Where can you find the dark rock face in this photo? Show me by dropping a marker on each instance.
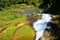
(52, 33)
(53, 28)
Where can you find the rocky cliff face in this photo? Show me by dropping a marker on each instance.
(47, 36)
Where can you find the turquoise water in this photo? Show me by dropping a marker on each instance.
(30, 11)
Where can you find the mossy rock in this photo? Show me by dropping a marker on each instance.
(24, 33)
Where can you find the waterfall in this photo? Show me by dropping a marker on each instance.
(41, 24)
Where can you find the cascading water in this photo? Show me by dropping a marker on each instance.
(41, 24)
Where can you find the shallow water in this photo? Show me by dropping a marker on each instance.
(30, 11)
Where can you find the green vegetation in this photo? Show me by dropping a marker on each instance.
(13, 15)
(8, 3)
(8, 17)
(51, 6)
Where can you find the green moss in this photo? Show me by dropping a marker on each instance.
(10, 30)
(24, 30)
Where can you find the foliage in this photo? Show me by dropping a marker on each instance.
(51, 6)
(7, 3)
(8, 17)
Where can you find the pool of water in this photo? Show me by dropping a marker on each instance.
(30, 11)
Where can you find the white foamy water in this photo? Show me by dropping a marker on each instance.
(41, 24)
